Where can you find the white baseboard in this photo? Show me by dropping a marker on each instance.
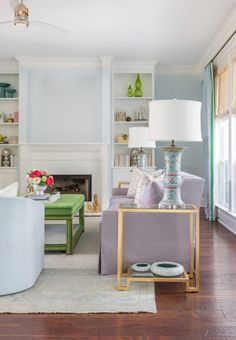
(227, 220)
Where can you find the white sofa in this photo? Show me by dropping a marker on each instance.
(21, 243)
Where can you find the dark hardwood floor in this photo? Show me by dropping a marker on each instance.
(210, 314)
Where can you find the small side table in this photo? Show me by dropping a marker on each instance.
(191, 279)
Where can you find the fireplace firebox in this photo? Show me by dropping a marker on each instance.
(74, 184)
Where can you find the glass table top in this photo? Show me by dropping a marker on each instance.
(155, 206)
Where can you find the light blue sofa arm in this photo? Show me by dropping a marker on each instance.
(21, 243)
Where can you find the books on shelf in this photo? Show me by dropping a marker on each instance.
(47, 198)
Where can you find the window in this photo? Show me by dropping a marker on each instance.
(221, 93)
(222, 137)
(233, 171)
(222, 162)
(225, 133)
(234, 86)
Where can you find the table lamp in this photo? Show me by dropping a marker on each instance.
(138, 138)
(174, 120)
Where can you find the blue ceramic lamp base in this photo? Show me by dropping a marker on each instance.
(172, 179)
(142, 159)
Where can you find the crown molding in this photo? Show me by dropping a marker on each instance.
(223, 34)
(178, 69)
(54, 62)
(106, 59)
(134, 66)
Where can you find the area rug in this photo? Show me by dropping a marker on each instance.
(71, 284)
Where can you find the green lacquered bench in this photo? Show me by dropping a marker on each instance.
(65, 209)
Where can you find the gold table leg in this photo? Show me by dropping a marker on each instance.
(119, 248)
(195, 271)
(120, 254)
(191, 250)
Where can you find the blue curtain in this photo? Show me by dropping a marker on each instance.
(208, 140)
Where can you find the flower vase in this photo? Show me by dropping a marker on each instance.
(138, 92)
(39, 189)
(130, 91)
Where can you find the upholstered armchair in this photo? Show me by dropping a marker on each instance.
(21, 243)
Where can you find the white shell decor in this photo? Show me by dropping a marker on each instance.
(141, 267)
(167, 269)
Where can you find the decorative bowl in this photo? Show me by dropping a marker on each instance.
(2, 89)
(10, 90)
(5, 85)
(9, 93)
(141, 267)
(167, 269)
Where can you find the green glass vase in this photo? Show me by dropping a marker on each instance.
(130, 91)
(138, 92)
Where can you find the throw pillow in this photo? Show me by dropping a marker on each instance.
(149, 191)
(145, 180)
(134, 181)
(10, 191)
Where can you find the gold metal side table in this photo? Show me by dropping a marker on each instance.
(191, 278)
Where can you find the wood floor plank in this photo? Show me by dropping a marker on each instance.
(209, 314)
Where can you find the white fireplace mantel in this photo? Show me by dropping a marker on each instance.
(74, 158)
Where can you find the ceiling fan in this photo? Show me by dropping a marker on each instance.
(21, 13)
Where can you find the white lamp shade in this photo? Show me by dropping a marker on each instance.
(138, 138)
(178, 120)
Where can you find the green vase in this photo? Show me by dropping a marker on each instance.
(138, 87)
(130, 91)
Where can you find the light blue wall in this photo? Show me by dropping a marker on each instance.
(189, 87)
(64, 104)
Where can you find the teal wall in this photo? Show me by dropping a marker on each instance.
(189, 87)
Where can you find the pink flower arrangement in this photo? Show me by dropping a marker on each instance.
(39, 177)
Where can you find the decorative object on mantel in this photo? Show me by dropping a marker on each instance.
(130, 91)
(176, 120)
(39, 180)
(167, 269)
(138, 92)
(138, 138)
(93, 207)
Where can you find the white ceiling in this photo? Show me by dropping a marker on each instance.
(170, 31)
